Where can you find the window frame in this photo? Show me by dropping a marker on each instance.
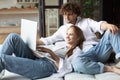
(42, 7)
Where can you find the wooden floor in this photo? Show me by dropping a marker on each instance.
(4, 31)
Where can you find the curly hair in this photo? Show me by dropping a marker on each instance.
(70, 7)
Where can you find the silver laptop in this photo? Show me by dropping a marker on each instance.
(29, 32)
(29, 36)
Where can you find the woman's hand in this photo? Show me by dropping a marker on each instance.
(43, 49)
(53, 55)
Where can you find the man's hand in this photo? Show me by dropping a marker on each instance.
(112, 28)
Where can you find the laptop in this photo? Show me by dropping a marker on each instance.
(29, 36)
(29, 33)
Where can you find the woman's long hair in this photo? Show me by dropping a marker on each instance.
(79, 42)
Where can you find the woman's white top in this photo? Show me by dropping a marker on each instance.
(87, 25)
(65, 64)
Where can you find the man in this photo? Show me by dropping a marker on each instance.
(110, 41)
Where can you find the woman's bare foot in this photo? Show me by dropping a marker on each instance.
(118, 65)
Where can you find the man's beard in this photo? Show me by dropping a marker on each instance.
(69, 21)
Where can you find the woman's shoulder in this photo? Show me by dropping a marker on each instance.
(76, 52)
(77, 49)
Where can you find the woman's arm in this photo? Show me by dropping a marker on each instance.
(53, 55)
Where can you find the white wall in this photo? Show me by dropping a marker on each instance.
(51, 2)
(15, 19)
(8, 3)
(6, 19)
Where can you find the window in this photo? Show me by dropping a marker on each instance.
(49, 17)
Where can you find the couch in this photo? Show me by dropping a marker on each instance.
(71, 76)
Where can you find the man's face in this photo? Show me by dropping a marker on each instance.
(70, 17)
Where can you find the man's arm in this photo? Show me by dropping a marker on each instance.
(39, 42)
(112, 28)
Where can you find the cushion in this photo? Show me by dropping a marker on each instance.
(107, 76)
(51, 78)
(77, 76)
(12, 76)
(103, 76)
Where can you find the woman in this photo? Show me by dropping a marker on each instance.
(29, 65)
(74, 39)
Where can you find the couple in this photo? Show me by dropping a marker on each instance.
(84, 57)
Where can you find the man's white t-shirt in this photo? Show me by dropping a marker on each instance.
(87, 25)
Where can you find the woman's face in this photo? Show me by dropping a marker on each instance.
(70, 17)
(71, 36)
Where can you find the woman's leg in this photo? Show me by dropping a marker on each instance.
(14, 44)
(29, 68)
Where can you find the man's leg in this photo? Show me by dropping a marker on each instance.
(103, 49)
(115, 42)
(108, 43)
(90, 62)
(86, 65)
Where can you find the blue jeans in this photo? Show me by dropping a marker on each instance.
(92, 61)
(24, 62)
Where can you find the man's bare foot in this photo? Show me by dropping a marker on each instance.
(116, 70)
(118, 65)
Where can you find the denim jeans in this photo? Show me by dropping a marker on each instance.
(24, 62)
(92, 61)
